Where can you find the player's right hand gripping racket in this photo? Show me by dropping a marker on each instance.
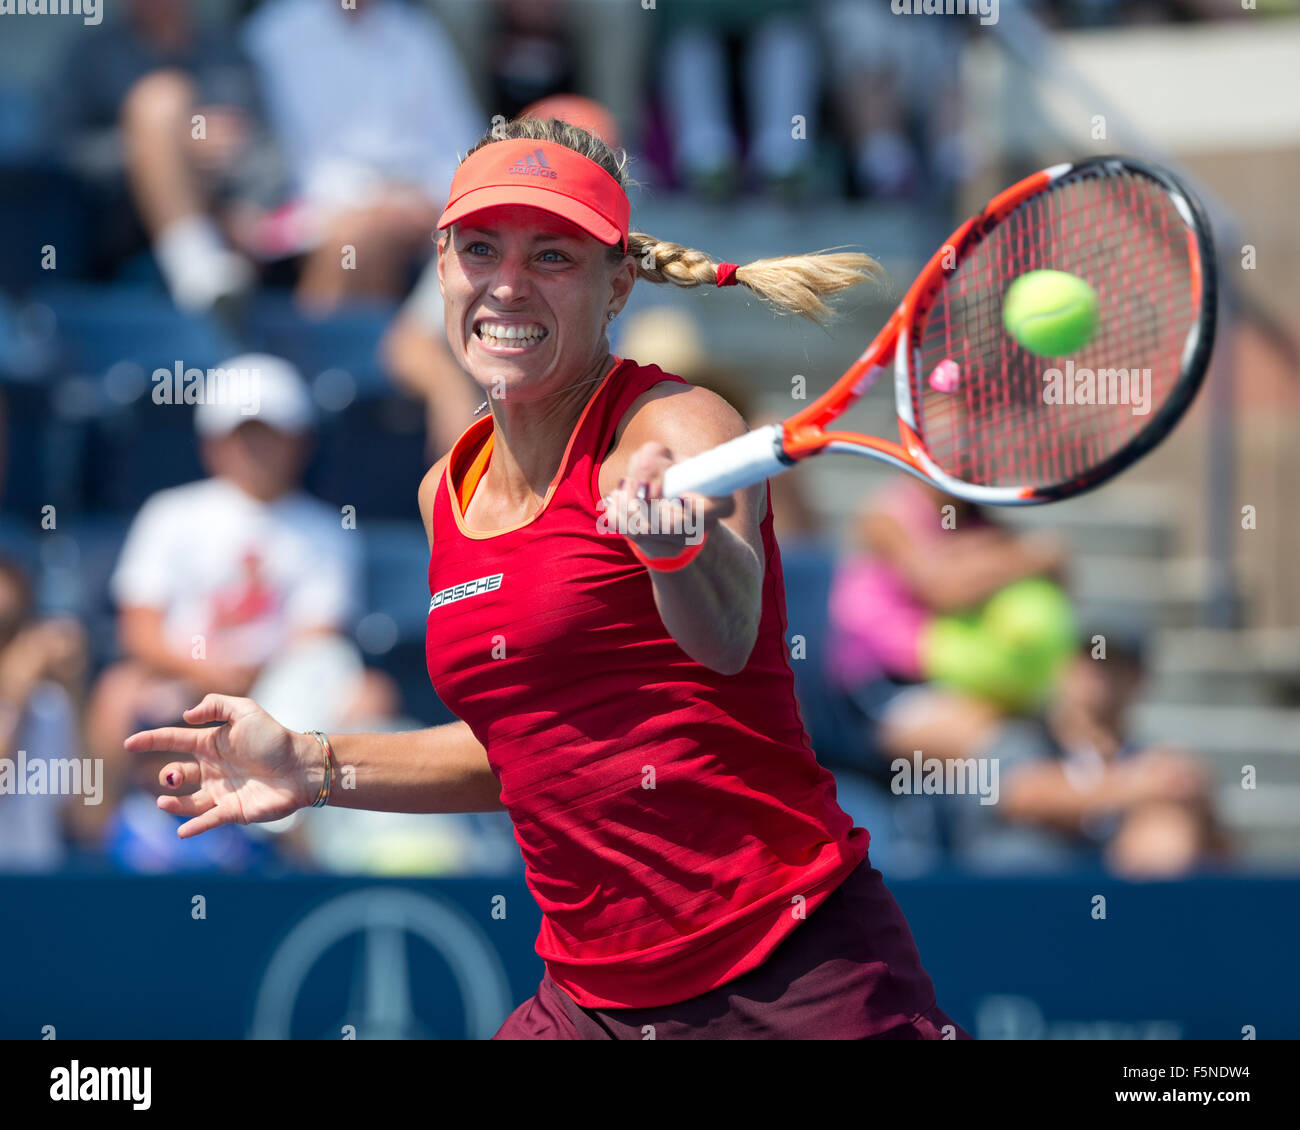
(979, 414)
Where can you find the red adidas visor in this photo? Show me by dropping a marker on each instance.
(543, 175)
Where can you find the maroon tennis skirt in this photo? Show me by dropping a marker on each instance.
(851, 972)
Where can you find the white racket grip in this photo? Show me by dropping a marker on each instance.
(740, 462)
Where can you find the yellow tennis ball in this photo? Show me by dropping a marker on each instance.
(1050, 313)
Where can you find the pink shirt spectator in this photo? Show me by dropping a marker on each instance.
(876, 619)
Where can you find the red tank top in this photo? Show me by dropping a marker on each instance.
(674, 823)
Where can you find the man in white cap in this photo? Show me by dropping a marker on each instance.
(221, 579)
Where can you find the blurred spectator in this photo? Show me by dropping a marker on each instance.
(141, 838)
(773, 45)
(1149, 809)
(125, 110)
(533, 54)
(42, 668)
(1076, 789)
(415, 346)
(585, 113)
(895, 86)
(415, 353)
(952, 638)
(943, 622)
(240, 583)
(605, 48)
(371, 107)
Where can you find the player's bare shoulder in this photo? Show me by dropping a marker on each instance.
(686, 418)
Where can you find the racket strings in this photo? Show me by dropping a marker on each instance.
(1017, 419)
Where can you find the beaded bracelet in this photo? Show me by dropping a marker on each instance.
(323, 796)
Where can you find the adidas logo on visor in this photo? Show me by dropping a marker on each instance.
(534, 165)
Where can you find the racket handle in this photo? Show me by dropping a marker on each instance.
(740, 462)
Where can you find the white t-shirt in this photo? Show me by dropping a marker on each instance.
(358, 98)
(245, 575)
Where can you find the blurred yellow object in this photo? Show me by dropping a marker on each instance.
(424, 852)
(663, 336)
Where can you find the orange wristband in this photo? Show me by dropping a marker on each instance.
(671, 564)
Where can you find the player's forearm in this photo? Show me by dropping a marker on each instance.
(712, 607)
(442, 769)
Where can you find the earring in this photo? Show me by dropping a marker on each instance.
(610, 316)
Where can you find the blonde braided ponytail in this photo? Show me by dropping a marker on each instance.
(789, 284)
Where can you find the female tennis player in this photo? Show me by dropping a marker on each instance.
(623, 690)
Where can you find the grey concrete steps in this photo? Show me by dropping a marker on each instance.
(1272, 806)
(1265, 819)
(1124, 519)
(1144, 593)
(1268, 651)
(1204, 665)
(1226, 732)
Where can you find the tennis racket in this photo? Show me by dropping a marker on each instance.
(980, 415)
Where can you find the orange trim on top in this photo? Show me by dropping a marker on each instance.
(483, 455)
(475, 471)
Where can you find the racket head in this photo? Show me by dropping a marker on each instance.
(973, 405)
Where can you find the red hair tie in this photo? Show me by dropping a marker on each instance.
(727, 273)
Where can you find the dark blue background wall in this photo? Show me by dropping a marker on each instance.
(121, 958)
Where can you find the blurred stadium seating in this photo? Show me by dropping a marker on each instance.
(75, 360)
(77, 352)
